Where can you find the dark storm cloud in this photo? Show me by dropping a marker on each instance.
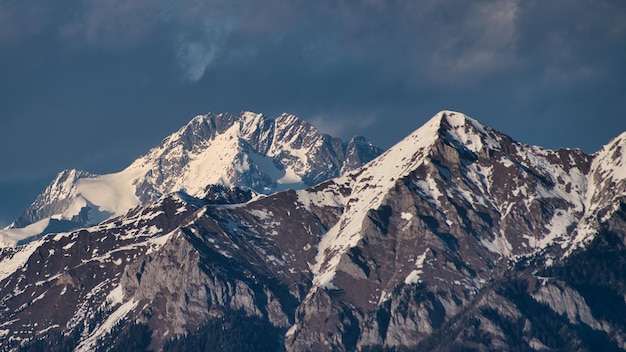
(439, 41)
(92, 84)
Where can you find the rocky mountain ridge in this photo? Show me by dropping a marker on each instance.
(249, 151)
(457, 238)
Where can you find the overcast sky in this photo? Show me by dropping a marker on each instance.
(93, 84)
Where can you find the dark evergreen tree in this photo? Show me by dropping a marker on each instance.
(233, 332)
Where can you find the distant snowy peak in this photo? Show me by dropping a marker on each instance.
(358, 150)
(54, 199)
(249, 151)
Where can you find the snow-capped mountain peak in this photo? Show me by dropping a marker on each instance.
(249, 151)
(466, 131)
(63, 186)
(453, 157)
(369, 186)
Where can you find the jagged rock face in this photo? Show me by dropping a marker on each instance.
(575, 305)
(216, 194)
(358, 150)
(248, 152)
(457, 238)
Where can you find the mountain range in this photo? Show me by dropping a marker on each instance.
(249, 233)
(248, 151)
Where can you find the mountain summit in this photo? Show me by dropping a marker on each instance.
(456, 238)
(249, 151)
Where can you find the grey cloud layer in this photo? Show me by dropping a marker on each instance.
(436, 40)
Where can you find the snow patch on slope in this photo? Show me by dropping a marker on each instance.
(90, 343)
(500, 245)
(606, 182)
(414, 276)
(113, 194)
(19, 257)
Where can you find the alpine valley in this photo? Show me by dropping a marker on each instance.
(247, 233)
